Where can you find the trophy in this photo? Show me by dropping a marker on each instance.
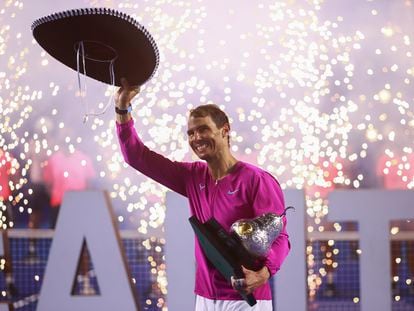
(247, 244)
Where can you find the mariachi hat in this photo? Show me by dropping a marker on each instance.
(101, 43)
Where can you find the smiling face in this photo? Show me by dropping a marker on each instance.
(207, 141)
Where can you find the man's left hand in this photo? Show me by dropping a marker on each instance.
(252, 280)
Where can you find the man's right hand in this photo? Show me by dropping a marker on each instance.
(123, 99)
(125, 94)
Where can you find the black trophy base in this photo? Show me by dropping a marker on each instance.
(224, 251)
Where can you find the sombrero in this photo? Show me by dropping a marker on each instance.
(102, 43)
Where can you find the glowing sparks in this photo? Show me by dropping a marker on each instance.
(314, 101)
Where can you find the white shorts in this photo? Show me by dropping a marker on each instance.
(205, 304)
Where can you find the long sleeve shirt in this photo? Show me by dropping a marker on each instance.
(246, 192)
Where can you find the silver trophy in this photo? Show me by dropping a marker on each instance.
(246, 245)
(258, 234)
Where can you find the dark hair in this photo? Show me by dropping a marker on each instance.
(218, 116)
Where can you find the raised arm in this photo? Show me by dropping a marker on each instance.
(171, 174)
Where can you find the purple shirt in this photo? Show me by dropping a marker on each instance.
(246, 192)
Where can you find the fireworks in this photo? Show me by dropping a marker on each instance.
(316, 91)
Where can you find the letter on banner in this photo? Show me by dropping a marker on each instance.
(373, 210)
(179, 254)
(4, 253)
(290, 292)
(87, 216)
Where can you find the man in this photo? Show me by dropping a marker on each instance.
(221, 186)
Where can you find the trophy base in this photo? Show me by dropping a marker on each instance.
(224, 251)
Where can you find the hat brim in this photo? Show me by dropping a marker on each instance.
(106, 35)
